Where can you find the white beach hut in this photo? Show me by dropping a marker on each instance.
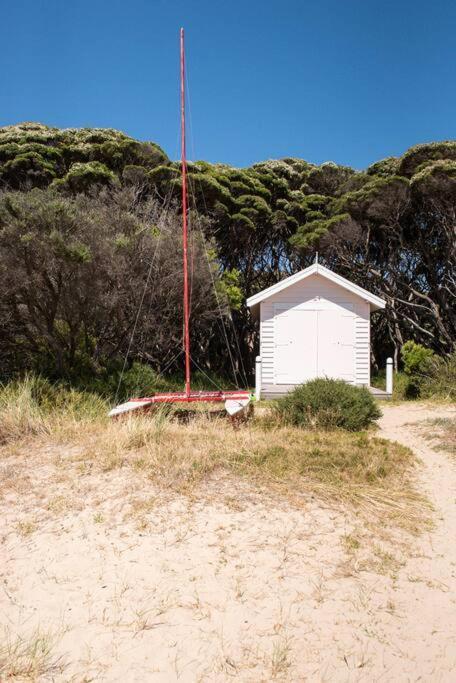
(313, 324)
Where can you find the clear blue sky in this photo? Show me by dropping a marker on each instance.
(346, 80)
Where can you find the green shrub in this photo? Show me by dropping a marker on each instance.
(405, 387)
(439, 378)
(142, 380)
(328, 404)
(415, 357)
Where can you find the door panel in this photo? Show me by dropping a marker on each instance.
(336, 331)
(296, 346)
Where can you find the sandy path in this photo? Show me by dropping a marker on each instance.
(427, 586)
(234, 587)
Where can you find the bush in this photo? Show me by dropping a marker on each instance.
(427, 375)
(141, 380)
(405, 387)
(439, 378)
(328, 404)
(415, 357)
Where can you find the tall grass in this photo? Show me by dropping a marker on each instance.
(33, 406)
(439, 379)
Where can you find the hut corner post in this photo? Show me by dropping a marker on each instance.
(389, 375)
(258, 378)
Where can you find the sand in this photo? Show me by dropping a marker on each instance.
(124, 583)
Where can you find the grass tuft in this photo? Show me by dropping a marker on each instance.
(34, 407)
(444, 433)
(29, 658)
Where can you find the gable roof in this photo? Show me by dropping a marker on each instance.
(316, 269)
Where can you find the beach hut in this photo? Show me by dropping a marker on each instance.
(312, 324)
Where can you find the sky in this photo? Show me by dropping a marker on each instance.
(351, 81)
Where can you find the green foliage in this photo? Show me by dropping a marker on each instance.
(74, 251)
(425, 375)
(328, 178)
(240, 220)
(384, 167)
(73, 271)
(415, 357)
(435, 179)
(139, 380)
(404, 386)
(229, 287)
(439, 378)
(311, 232)
(34, 155)
(430, 151)
(83, 176)
(27, 169)
(375, 199)
(162, 176)
(328, 404)
(258, 204)
(135, 175)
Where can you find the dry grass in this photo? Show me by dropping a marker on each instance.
(33, 408)
(443, 432)
(360, 469)
(29, 658)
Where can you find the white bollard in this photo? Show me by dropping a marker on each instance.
(258, 378)
(389, 375)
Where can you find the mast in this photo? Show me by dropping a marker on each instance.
(185, 220)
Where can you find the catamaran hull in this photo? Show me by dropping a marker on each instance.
(236, 402)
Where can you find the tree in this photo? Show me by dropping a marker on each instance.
(79, 274)
(397, 237)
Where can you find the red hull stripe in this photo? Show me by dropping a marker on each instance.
(195, 397)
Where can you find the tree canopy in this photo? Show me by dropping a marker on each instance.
(390, 228)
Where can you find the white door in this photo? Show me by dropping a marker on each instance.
(295, 346)
(336, 343)
(314, 342)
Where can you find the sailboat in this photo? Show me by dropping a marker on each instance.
(236, 402)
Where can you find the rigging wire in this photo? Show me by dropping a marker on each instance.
(173, 360)
(161, 220)
(219, 306)
(243, 374)
(163, 216)
(207, 376)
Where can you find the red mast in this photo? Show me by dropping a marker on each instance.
(184, 221)
(235, 401)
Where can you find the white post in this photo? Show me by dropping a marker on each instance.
(258, 378)
(389, 375)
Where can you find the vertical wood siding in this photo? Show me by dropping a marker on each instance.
(305, 292)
